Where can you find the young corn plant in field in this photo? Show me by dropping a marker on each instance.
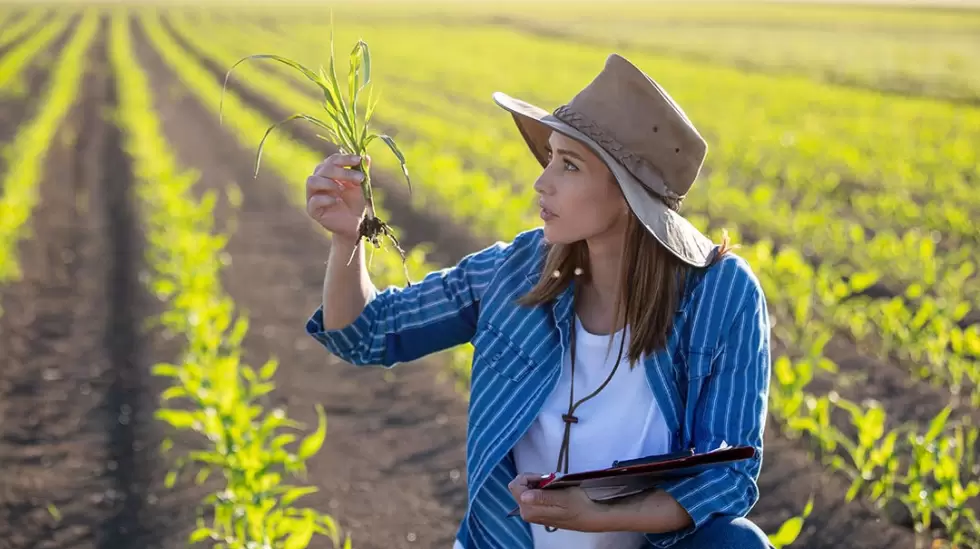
(943, 480)
(249, 449)
(346, 128)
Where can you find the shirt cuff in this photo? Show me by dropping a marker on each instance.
(346, 343)
(704, 496)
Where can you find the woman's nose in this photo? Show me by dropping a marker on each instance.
(542, 186)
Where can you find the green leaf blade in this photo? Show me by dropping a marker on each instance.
(296, 493)
(268, 370)
(270, 129)
(301, 535)
(312, 443)
(165, 370)
(178, 419)
(345, 111)
(372, 102)
(401, 157)
(200, 535)
(312, 76)
(366, 70)
(788, 532)
(937, 425)
(353, 75)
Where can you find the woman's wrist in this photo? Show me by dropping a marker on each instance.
(343, 243)
(649, 512)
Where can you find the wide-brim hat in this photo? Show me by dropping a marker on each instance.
(643, 136)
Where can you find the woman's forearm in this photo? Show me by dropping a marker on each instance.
(652, 512)
(346, 288)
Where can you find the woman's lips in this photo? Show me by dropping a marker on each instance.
(547, 214)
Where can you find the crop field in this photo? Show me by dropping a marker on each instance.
(157, 386)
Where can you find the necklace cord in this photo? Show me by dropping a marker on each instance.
(569, 417)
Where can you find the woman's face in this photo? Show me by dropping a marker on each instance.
(578, 197)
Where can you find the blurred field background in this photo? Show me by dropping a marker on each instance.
(154, 289)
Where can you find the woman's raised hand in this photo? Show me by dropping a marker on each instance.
(333, 195)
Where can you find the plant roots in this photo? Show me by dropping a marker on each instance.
(372, 229)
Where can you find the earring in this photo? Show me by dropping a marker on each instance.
(578, 271)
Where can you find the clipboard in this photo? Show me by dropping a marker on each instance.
(629, 477)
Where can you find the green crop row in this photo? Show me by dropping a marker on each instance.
(916, 328)
(917, 50)
(424, 112)
(931, 469)
(443, 88)
(753, 141)
(935, 61)
(13, 63)
(842, 209)
(779, 121)
(246, 445)
(816, 291)
(21, 26)
(25, 154)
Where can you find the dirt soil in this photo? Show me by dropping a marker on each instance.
(73, 402)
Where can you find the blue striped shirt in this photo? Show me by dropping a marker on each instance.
(711, 380)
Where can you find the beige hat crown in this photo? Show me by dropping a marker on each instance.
(642, 127)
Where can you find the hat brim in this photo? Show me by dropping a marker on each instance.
(671, 229)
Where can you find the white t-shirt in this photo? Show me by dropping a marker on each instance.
(622, 422)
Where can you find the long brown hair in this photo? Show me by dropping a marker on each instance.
(648, 272)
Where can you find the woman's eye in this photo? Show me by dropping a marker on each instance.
(568, 165)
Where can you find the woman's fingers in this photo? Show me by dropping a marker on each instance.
(319, 202)
(348, 160)
(335, 167)
(316, 184)
(320, 184)
(518, 485)
(338, 160)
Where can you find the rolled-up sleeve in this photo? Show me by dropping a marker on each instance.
(403, 324)
(732, 409)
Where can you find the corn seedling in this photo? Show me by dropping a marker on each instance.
(790, 530)
(349, 134)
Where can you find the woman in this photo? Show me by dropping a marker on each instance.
(614, 266)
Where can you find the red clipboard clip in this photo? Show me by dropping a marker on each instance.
(534, 484)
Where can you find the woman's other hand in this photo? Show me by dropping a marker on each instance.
(567, 508)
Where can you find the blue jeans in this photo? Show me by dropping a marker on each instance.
(726, 533)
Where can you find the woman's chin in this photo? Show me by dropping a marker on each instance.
(554, 235)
